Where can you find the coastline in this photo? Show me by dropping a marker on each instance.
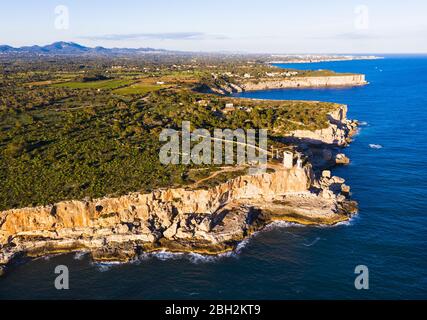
(317, 59)
(307, 82)
(120, 229)
(332, 81)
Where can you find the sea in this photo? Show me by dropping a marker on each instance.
(388, 178)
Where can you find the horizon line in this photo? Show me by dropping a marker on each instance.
(220, 51)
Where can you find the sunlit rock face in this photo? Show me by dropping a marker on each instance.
(208, 221)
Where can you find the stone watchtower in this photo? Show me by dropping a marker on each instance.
(288, 159)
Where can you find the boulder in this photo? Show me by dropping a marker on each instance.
(337, 180)
(171, 231)
(326, 174)
(345, 189)
(341, 158)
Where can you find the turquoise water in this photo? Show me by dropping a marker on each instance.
(292, 262)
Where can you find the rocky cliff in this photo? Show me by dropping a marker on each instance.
(294, 82)
(304, 82)
(338, 132)
(205, 221)
(208, 221)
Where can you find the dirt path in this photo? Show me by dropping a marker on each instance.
(214, 174)
(274, 166)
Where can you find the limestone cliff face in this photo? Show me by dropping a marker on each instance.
(107, 212)
(337, 133)
(206, 221)
(295, 82)
(305, 82)
(209, 217)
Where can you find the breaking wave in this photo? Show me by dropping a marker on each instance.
(79, 255)
(198, 258)
(281, 224)
(106, 266)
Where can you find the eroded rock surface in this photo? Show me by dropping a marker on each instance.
(207, 221)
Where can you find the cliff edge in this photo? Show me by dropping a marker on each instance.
(229, 87)
(206, 221)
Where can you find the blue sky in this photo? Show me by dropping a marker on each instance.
(328, 26)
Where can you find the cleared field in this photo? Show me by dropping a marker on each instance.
(143, 87)
(138, 88)
(101, 84)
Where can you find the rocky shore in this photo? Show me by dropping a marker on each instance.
(307, 82)
(347, 80)
(206, 221)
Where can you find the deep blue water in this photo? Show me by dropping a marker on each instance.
(292, 262)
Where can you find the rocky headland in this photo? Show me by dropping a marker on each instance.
(205, 221)
(343, 80)
(277, 58)
(306, 82)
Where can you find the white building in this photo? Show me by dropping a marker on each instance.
(288, 159)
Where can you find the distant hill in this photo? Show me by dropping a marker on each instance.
(72, 48)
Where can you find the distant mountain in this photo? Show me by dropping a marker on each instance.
(72, 48)
(5, 48)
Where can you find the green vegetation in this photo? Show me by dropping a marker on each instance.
(321, 73)
(138, 88)
(63, 138)
(100, 84)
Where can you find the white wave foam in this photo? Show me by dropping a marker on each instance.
(313, 242)
(106, 266)
(281, 224)
(103, 267)
(165, 255)
(242, 244)
(191, 256)
(375, 146)
(79, 255)
(48, 256)
(363, 123)
(353, 219)
(200, 258)
(347, 223)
